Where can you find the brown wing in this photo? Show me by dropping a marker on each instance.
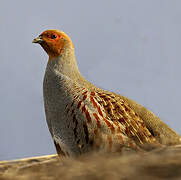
(119, 112)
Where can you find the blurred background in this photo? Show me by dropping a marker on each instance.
(129, 47)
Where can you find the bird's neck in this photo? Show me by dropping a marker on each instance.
(65, 65)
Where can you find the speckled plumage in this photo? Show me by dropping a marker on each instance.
(82, 117)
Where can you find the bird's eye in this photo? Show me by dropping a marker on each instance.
(53, 36)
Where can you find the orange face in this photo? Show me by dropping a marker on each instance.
(53, 42)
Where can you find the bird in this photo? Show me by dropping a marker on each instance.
(82, 117)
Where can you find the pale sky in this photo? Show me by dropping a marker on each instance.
(129, 47)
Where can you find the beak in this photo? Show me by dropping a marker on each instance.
(38, 40)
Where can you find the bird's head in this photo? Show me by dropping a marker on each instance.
(54, 42)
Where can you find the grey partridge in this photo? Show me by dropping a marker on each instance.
(82, 117)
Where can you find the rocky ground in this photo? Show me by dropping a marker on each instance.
(158, 164)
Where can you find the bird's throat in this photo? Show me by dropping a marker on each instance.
(65, 65)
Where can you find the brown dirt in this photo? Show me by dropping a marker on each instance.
(159, 164)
